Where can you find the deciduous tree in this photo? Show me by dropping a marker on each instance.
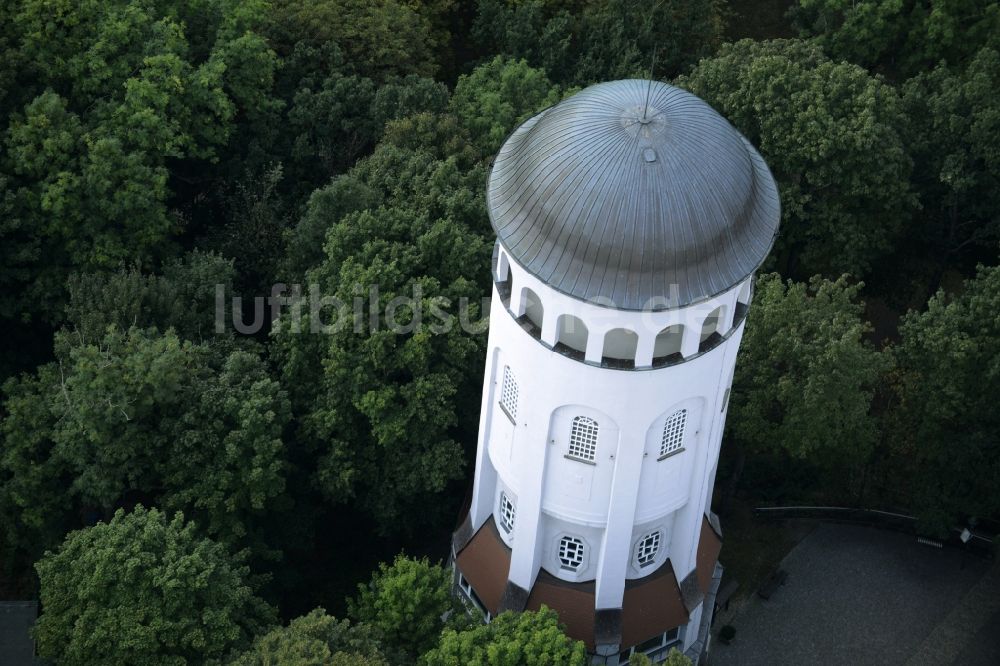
(381, 404)
(327, 205)
(954, 136)
(339, 118)
(830, 133)
(591, 41)
(142, 415)
(116, 96)
(492, 100)
(511, 639)
(145, 589)
(316, 639)
(900, 37)
(378, 39)
(946, 427)
(806, 376)
(408, 602)
(182, 297)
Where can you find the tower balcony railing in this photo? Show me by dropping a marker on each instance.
(567, 328)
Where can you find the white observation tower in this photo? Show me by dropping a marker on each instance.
(630, 219)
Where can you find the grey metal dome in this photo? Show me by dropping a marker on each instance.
(629, 187)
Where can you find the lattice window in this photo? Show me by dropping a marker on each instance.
(647, 549)
(506, 513)
(571, 552)
(673, 432)
(583, 438)
(508, 393)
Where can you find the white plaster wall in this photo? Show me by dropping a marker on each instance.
(612, 502)
(665, 526)
(552, 530)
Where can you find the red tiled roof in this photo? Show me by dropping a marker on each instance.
(709, 545)
(652, 605)
(574, 602)
(485, 563)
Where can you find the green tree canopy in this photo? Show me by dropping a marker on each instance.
(416, 181)
(903, 37)
(946, 426)
(511, 639)
(382, 404)
(145, 589)
(141, 415)
(407, 603)
(830, 133)
(597, 40)
(954, 137)
(181, 297)
(378, 39)
(113, 94)
(492, 100)
(326, 206)
(10, 54)
(334, 120)
(443, 136)
(805, 376)
(316, 639)
(382, 409)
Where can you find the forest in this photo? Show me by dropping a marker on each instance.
(178, 491)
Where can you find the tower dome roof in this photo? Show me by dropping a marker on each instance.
(629, 187)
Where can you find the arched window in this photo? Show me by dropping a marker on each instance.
(583, 439)
(506, 513)
(508, 393)
(571, 553)
(673, 433)
(647, 549)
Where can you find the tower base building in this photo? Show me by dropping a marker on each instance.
(630, 220)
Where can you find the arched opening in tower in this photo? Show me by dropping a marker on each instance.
(620, 345)
(667, 346)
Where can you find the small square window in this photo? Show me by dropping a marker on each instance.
(571, 552)
(647, 549)
(506, 513)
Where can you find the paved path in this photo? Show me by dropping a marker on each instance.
(859, 596)
(978, 609)
(16, 620)
(983, 648)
